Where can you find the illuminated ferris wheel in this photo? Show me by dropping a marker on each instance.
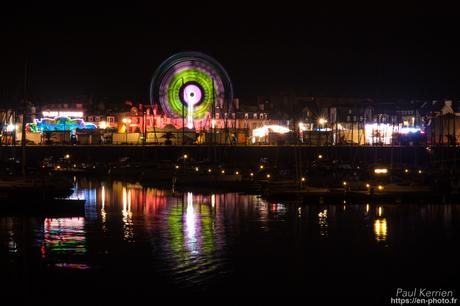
(192, 86)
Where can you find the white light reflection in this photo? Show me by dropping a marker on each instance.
(129, 201)
(125, 201)
(213, 200)
(128, 232)
(103, 213)
(190, 225)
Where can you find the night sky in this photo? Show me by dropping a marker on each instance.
(113, 50)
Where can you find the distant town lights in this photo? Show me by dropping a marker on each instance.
(264, 130)
(103, 125)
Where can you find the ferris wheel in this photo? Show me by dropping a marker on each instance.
(192, 86)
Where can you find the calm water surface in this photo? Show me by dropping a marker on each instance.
(136, 242)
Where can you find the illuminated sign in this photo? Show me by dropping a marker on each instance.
(51, 114)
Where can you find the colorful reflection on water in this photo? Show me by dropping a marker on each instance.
(201, 240)
(64, 242)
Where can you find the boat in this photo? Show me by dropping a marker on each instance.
(36, 188)
(49, 207)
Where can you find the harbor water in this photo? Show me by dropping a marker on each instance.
(136, 242)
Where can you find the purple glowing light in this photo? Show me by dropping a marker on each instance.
(192, 94)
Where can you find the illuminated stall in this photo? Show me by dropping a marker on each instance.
(59, 126)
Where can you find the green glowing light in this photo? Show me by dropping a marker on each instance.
(174, 90)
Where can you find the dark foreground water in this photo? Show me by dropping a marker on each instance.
(137, 243)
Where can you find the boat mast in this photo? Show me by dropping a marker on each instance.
(23, 127)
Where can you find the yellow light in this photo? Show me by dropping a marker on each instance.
(177, 167)
(74, 165)
(268, 175)
(381, 171)
(344, 183)
(302, 179)
(223, 171)
(252, 174)
(381, 229)
(323, 214)
(209, 170)
(196, 169)
(380, 187)
(58, 167)
(237, 173)
(406, 170)
(261, 166)
(380, 211)
(103, 125)
(419, 171)
(367, 208)
(125, 120)
(320, 156)
(185, 156)
(322, 121)
(367, 185)
(67, 156)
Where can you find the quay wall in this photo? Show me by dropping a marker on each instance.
(245, 155)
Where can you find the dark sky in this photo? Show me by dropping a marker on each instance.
(112, 50)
